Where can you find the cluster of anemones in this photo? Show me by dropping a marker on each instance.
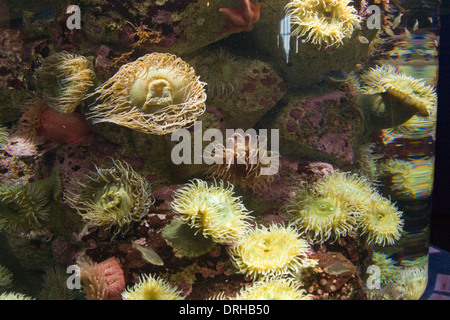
(345, 203)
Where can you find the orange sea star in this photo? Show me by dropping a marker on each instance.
(241, 18)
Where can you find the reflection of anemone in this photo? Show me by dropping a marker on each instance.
(272, 251)
(380, 221)
(244, 161)
(64, 80)
(212, 209)
(407, 90)
(326, 22)
(222, 72)
(152, 288)
(389, 272)
(158, 93)
(113, 198)
(274, 289)
(320, 217)
(411, 179)
(22, 208)
(3, 137)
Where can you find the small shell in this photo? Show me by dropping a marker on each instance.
(416, 25)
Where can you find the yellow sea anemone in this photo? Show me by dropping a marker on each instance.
(15, 296)
(152, 288)
(411, 179)
(350, 188)
(274, 289)
(247, 163)
(321, 217)
(380, 222)
(323, 22)
(272, 251)
(222, 72)
(214, 210)
(407, 89)
(112, 198)
(63, 80)
(158, 93)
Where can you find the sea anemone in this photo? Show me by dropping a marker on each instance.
(321, 217)
(3, 137)
(274, 289)
(380, 221)
(323, 22)
(15, 296)
(101, 281)
(222, 72)
(389, 272)
(244, 161)
(410, 179)
(40, 120)
(54, 285)
(23, 207)
(350, 188)
(112, 198)
(213, 210)
(273, 251)
(64, 79)
(152, 288)
(6, 277)
(158, 93)
(404, 89)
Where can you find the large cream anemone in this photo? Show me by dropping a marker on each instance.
(158, 93)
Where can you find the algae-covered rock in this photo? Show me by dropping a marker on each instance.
(320, 127)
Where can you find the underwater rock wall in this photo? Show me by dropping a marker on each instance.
(125, 213)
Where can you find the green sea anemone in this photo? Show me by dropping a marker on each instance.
(152, 288)
(272, 251)
(212, 209)
(380, 221)
(222, 72)
(63, 80)
(112, 198)
(15, 296)
(24, 207)
(3, 137)
(158, 93)
(323, 22)
(321, 217)
(6, 277)
(274, 289)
